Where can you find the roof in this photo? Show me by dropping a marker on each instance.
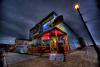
(39, 35)
(52, 13)
(56, 21)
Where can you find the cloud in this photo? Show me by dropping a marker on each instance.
(21, 15)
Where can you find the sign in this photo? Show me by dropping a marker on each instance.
(56, 57)
(52, 57)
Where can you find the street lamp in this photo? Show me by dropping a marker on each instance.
(76, 7)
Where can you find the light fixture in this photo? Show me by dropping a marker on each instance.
(76, 6)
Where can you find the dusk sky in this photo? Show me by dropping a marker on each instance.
(17, 17)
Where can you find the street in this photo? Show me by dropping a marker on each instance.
(79, 58)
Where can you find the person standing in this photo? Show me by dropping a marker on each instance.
(61, 50)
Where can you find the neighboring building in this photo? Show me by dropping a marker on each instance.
(52, 31)
(7, 43)
(21, 42)
(21, 45)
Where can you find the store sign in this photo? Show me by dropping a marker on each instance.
(49, 23)
(50, 18)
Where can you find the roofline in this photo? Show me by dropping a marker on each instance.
(22, 39)
(43, 19)
(54, 29)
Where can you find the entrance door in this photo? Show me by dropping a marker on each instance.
(53, 44)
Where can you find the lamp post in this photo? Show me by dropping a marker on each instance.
(94, 44)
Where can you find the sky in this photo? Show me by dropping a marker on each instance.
(17, 17)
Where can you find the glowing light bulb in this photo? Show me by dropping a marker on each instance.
(76, 6)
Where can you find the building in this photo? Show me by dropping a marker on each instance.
(52, 31)
(21, 45)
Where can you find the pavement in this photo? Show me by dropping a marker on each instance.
(80, 58)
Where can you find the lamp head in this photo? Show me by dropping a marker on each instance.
(76, 6)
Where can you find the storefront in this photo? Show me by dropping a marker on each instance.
(51, 32)
(53, 38)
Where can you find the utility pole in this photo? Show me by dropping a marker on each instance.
(94, 44)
